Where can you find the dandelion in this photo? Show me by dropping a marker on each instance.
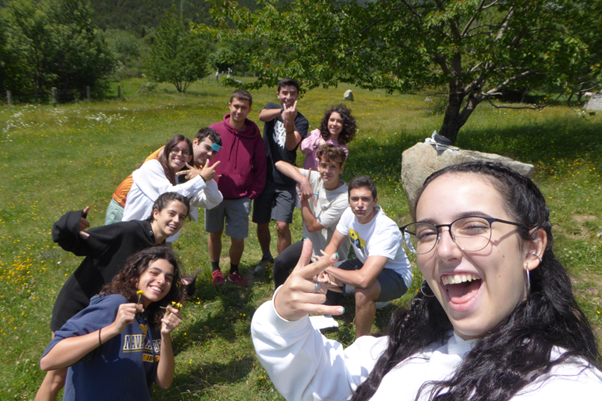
(139, 295)
(175, 305)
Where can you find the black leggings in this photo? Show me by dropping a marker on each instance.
(286, 262)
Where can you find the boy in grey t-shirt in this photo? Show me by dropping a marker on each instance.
(323, 200)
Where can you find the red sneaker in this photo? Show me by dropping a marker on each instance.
(237, 279)
(218, 278)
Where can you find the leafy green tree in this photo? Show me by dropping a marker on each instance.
(475, 48)
(5, 59)
(57, 46)
(176, 56)
(127, 49)
(222, 58)
(231, 55)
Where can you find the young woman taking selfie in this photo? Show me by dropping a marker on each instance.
(495, 318)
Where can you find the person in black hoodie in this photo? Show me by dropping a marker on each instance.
(106, 249)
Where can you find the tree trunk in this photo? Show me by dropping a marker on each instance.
(450, 131)
(451, 125)
(454, 118)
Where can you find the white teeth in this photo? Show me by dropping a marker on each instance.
(459, 278)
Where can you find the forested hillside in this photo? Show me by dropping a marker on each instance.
(140, 15)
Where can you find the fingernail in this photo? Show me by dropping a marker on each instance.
(341, 310)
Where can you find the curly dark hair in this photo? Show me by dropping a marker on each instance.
(515, 352)
(349, 126)
(126, 281)
(164, 159)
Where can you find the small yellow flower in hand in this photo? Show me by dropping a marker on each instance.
(175, 305)
(139, 295)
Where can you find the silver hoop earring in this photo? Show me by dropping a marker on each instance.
(528, 281)
(537, 256)
(422, 289)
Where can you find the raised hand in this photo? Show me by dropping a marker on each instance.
(289, 113)
(298, 296)
(190, 173)
(171, 320)
(126, 315)
(83, 223)
(305, 189)
(208, 172)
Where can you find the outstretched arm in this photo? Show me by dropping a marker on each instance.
(302, 363)
(69, 233)
(266, 115)
(293, 172)
(335, 243)
(70, 350)
(167, 364)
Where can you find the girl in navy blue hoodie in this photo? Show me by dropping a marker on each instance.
(121, 343)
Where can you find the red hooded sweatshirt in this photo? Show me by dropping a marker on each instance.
(243, 160)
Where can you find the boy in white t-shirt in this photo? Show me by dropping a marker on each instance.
(381, 271)
(323, 199)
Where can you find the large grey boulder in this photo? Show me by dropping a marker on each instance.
(422, 159)
(348, 95)
(594, 103)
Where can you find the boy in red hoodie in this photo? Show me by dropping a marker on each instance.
(243, 174)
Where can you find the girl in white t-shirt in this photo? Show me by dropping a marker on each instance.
(495, 318)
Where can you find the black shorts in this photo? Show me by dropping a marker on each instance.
(274, 204)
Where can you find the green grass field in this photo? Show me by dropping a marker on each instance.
(56, 159)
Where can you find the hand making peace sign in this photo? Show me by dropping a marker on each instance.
(301, 294)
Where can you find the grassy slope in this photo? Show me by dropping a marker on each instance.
(59, 159)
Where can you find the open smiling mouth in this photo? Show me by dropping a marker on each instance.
(461, 288)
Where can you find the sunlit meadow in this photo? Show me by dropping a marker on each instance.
(57, 159)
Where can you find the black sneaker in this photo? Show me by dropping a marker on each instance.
(262, 265)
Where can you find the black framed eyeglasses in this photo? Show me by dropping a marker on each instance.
(471, 233)
(184, 152)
